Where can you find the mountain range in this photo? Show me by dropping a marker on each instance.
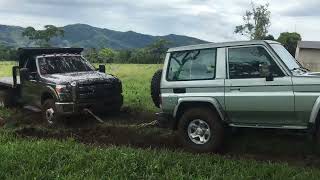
(83, 35)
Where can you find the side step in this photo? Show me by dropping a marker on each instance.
(32, 108)
(269, 127)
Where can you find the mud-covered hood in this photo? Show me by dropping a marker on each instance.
(92, 76)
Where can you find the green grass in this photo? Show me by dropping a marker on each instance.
(136, 80)
(51, 159)
(5, 68)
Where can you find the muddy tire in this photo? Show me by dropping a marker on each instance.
(49, 112)
(155, 87)
(201, 130)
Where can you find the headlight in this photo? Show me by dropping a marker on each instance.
(61, 89)
(74, 83)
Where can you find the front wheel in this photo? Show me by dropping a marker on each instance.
(49, 112)
(201, 130)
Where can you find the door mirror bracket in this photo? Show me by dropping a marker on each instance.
(24, 74)
(269, 77)
(102, 68)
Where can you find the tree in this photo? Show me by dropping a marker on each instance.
(7, 53)
(42, 37)
(158, 49)
(92, 55)
(256, 22)
(269, 37)
(123, 56)
(290, 41)
(106, 55)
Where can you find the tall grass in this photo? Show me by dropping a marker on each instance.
(6, 68)
(136, 80)
(51, 159)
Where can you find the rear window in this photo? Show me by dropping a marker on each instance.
(192, 65)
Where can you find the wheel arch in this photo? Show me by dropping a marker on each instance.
(189, 102)
(48, 93)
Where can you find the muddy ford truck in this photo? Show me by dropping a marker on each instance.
(203, 89)
(59, 81)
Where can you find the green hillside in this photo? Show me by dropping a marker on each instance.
(82, 35)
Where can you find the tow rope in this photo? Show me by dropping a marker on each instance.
(93, 115)
(142, 125)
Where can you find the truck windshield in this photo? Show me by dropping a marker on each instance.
(63, 64)
(286, 57)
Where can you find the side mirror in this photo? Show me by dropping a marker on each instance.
(25, 74)
(269, 77)
(102, 68)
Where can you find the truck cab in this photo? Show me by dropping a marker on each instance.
(60, 81)
(258, 84)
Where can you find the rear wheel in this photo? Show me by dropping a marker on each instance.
(201, 130)
(49, 112)
(155, 87)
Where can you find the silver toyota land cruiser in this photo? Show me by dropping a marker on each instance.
(205, 88)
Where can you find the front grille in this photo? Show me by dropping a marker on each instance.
(99, 91)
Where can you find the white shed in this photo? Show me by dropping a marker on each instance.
(308, 54)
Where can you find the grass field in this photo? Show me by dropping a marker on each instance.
(136, 80)
(51, 159)
(121, 150)
(5, 68)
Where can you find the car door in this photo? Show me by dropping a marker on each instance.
(31, 89)
(251, 98)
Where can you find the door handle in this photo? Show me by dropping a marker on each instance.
(235, 89)
(179, 90)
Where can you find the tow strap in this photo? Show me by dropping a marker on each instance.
(93, 115)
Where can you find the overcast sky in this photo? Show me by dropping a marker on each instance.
(211, 20)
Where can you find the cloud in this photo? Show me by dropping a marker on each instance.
(309, 8)
(212, 20)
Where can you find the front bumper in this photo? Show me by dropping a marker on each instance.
(95, 106)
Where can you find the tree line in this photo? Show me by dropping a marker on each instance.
(8, 53)
(152, 54)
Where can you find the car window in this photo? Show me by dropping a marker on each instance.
(31, 65)
(63, 64)
(192, 65)
(251, 62)
(285, 56)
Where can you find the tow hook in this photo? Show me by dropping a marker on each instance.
(93, 115)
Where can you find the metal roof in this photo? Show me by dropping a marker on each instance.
(222, 44)
(309, 44)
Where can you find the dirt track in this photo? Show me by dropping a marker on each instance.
(266, 145)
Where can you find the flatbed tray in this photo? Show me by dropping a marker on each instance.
(8, 81)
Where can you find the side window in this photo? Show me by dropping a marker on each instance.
(31, 65)
(251, 62)
(192, 65)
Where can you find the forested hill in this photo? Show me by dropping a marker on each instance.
(82, 35)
